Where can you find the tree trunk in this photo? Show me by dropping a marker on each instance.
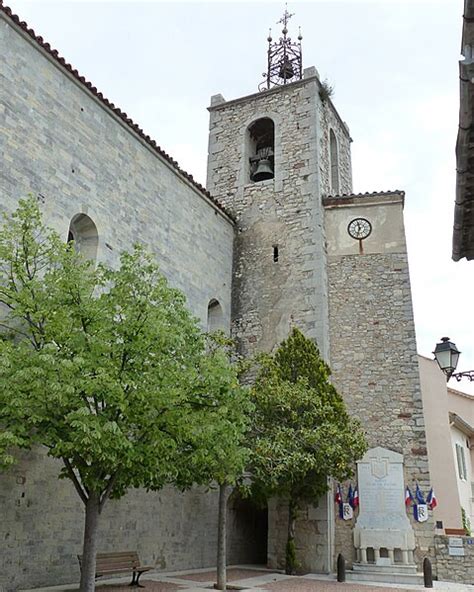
(89, 550)
(291, 563)
(221, 538)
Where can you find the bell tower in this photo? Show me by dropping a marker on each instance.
(308, 252)
(273, 156)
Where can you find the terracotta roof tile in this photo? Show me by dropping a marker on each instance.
(367, 193)
(55, 54)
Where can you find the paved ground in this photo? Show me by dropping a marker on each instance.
(233, 574)
(253, 580)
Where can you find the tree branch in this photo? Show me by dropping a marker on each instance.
(108, 490)
(75, 480)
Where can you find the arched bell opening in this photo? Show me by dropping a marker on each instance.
(261, 149)
(83, 233)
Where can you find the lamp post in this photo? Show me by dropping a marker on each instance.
(447, 355)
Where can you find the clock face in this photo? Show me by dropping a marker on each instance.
(359, 228)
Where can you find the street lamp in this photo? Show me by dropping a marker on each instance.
(447, 355)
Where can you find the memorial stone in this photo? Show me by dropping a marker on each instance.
(383, 535)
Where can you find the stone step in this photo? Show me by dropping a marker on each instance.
(397, 568)
(377, 577)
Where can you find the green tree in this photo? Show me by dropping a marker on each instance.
(302, 433)
(107, 369)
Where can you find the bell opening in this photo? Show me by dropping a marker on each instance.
(261, 137)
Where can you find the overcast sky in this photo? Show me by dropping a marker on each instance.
(394, 67)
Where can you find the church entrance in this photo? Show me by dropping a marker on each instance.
(247, 532)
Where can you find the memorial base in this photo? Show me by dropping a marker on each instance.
(396, 574)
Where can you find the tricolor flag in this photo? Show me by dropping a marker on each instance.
(338, 496)
(350, 496)
(431, 500)
(408, 496)
(419, 496)
(355, 501)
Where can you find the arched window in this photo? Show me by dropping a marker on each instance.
(215, 317)
(83, 232)
(334, 158)
(261, 149)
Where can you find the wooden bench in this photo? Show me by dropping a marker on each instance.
(113, 563)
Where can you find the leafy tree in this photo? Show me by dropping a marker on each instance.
(108, 370)
(302, 433)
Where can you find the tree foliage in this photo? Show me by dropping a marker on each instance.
(302, 433)
(108, 370)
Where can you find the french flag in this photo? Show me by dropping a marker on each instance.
(355, 499)
(431, 500)
(408, 496)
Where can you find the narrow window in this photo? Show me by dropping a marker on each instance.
(261, 149)
(461, 460)
(215, 317)
(334, 162)
(83, 232)
(275, 253)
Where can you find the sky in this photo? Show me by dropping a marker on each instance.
(394, 68)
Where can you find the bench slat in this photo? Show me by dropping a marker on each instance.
(121, 561)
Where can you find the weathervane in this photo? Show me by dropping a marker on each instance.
(285, 58)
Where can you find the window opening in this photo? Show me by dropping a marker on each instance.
(83, 232)
(215, 317)
(275, 253)
(461, 460)
(334, 163)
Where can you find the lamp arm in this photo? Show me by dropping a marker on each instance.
(466, 374)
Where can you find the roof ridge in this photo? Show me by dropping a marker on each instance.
(116, 110)
(367, 193)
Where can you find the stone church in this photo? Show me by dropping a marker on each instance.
(277, 239)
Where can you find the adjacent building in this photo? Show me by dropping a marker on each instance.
(449, 422)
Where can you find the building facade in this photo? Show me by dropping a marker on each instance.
(277, 240)
(449, 417)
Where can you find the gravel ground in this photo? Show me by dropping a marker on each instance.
(233, 574)
(307, 585)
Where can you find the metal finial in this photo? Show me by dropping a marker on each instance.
(285, 63)
(285, 18)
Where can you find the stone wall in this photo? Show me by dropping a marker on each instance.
(61, 143)
(313, 536)
(459, 568)
(268, 296)
(373, 345)
(42, 520)
(330, 120)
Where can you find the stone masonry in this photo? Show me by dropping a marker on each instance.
(373, 345)
(286, 213)
(59, 142)
(455, 568)
(274, 254)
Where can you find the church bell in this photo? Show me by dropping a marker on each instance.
(286, 69)
(264, 171)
